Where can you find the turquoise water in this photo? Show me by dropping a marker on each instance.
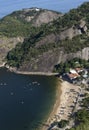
(25, 101)
(7, 6)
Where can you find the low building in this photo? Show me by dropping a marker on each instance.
(73, 76)
(78, 70)
(72, 71)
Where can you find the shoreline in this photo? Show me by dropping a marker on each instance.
(65, 98)
(56, 105)
(11, 69)
(35, 73)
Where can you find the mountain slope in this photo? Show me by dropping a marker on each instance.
(53, 42)
(21, 23)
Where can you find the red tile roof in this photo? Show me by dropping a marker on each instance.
(73, 76)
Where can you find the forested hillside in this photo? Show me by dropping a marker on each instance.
(44, 44)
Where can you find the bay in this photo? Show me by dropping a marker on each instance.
(8, 6)
(25, 101)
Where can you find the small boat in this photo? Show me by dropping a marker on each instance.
(22, 102)
(4, 84)
(35, 82)
(38, 84)
(12, 93)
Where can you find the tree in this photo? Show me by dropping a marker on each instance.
(63, 123)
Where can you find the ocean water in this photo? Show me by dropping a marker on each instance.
(8, 6)
(25, 101)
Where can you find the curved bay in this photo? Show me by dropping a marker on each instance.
(25, 101)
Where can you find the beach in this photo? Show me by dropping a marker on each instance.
(66, 97)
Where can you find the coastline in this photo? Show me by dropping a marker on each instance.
(65, 98)
(35, 73)
(56, 105)
(12, 69)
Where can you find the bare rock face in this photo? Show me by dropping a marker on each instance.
(45, 17)
(69, 33)
(47, 61)
(83, 54)
(74, 31)
(43, 63)
(47, 40)
(82, 27)
(6, 44)
(29, 18)
(36, 16)
(82, 23)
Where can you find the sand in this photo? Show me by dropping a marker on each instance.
(66, 98)
(55, 107)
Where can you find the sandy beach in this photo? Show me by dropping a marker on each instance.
(66, 97)
(55, 107)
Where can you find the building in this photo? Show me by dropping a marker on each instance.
(78, 70)
(73, 76)
(72, 71)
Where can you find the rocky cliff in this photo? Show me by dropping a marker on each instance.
(7, 44)
(47, 61)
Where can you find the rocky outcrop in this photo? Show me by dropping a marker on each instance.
(83, 54)
(45, 16)
(47, 61)
(74, 30)
(36, 16)
(44, 47)
(82, 26)
(69, 33)
(6, 44)
(43, 63)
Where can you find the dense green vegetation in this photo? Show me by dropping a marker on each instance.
(11, 26)
(27, 50)
(73, 17)
(76, 44)
(63, 123)
(16, 25)
(65, 67)
(82, 116)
